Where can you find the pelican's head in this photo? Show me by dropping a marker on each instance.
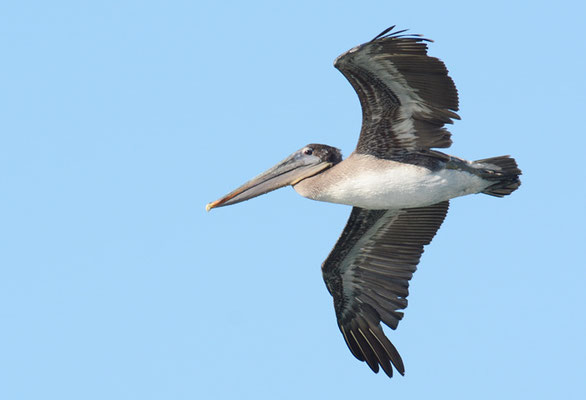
(308, 161)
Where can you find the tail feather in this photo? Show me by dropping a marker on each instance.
(504, 171)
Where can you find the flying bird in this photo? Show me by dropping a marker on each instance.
(398, 186)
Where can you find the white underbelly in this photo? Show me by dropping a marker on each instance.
(399, 186)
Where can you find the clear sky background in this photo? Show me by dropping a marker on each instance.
(119, 121)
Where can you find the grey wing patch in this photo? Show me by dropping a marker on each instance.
(406, 95)
(368, 272)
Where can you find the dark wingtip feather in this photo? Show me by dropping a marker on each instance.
(383, 33)
(388, 33)
(367, 342)
(367, 351)
(351, 342)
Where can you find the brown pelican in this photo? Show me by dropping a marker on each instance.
(399, 188)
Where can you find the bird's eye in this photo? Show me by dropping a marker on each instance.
(308, 152)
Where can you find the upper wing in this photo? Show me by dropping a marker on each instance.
(406, 95)
(368, 273)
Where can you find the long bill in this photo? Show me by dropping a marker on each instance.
(288, 172)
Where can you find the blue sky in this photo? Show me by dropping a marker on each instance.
(119, 121)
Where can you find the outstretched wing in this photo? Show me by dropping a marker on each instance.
(368, 273)
(406, 95)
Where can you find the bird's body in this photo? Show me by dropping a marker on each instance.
(398, 186)
(365, 181)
